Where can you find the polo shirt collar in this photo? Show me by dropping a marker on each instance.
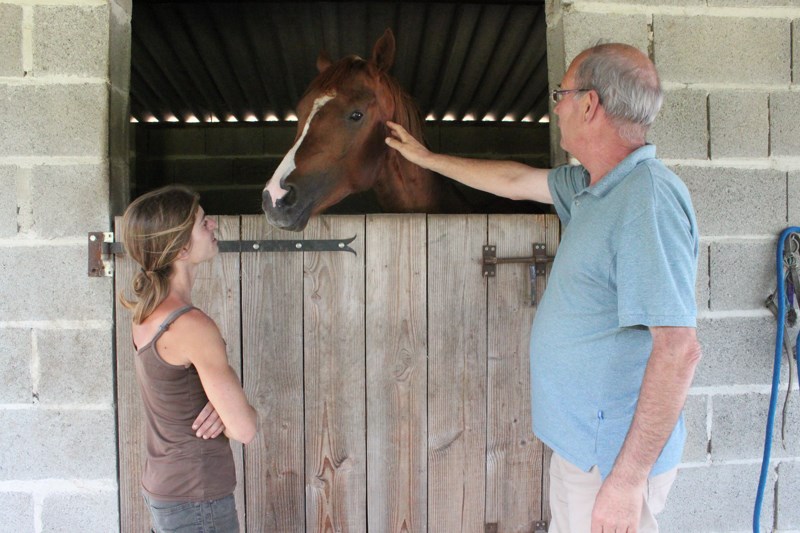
(619, 172)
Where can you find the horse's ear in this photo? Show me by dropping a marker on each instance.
(383, 53)
(323, 61)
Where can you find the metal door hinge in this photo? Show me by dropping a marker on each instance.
(537, 264)
(102, 248)
(100, 261)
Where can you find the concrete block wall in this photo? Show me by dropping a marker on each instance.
(729, 127)
(58, 94)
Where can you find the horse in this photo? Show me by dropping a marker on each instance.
(340, 148)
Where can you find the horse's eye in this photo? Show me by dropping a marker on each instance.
(355, 116)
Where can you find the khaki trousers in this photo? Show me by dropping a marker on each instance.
(573, 491)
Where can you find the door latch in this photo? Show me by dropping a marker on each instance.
(537, 264)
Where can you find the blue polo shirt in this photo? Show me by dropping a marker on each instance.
(627, 260)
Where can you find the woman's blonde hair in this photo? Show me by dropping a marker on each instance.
(155, 228)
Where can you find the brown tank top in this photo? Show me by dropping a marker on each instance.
(179, 466)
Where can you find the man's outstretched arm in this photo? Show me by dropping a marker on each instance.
(502, 178)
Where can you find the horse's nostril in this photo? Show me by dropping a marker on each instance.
(288, 199)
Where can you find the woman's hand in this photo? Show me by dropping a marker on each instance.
(208, 424)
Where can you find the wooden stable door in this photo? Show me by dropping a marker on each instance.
(392, 384)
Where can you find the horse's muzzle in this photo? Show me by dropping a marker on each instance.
(285, 214)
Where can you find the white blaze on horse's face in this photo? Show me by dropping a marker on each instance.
(276, 191)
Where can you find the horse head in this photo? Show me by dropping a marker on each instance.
(339, 148)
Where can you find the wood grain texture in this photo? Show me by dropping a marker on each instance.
(392, 386)
(335, 368)
(396, 373)
(514, 455)
(456, 373)
(272, 351)
(134, 517)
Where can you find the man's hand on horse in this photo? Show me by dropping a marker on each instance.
(408, 146)
(208, 424)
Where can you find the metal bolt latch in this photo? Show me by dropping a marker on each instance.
(537, 264)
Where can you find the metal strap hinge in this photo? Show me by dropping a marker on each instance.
(102, 247)
(537, 264)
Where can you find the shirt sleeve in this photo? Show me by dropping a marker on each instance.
(656, 264)
(564, 183)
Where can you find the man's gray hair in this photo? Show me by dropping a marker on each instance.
(630, 93)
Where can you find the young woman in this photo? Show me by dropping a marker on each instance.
(190, 393)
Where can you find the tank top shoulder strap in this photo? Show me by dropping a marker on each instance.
(173, 316)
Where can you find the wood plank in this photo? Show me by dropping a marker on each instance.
(216, 293)
(514, 455)
(456, 373)
(335, 403)
(396, 339)
(134, 517)
(272, 352)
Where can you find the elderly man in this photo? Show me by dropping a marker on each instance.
(613, 345)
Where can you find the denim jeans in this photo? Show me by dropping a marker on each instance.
(213, 516)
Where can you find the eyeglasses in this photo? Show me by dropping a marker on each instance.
(558, 94)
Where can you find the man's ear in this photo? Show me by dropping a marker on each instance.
(590, 105)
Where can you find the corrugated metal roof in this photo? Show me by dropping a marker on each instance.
(252, 61)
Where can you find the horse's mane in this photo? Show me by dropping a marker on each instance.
(406, 113)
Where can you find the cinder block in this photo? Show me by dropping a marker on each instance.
(71, 40)
(98, 511)
(784, 132)
(742, 274)
(794, 199)
(75, 366)
(120, 46)
(705, 49)
(69, 200)
(53, 443)
(15, 360)
(736, 201)
(119, 125)
(10, 40)
(716, 498)
(583, 30)
(51, 283)
(702, 285)
(681, 128)
(8, 200)
(753, 3)
(739, 423)
(736, 351)
(54, 120)
(235, 140)
(121, 192)
(739, 124)
(16, 512)
(126, 5)
(695, 415)
(788, 483)
(656, 2)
